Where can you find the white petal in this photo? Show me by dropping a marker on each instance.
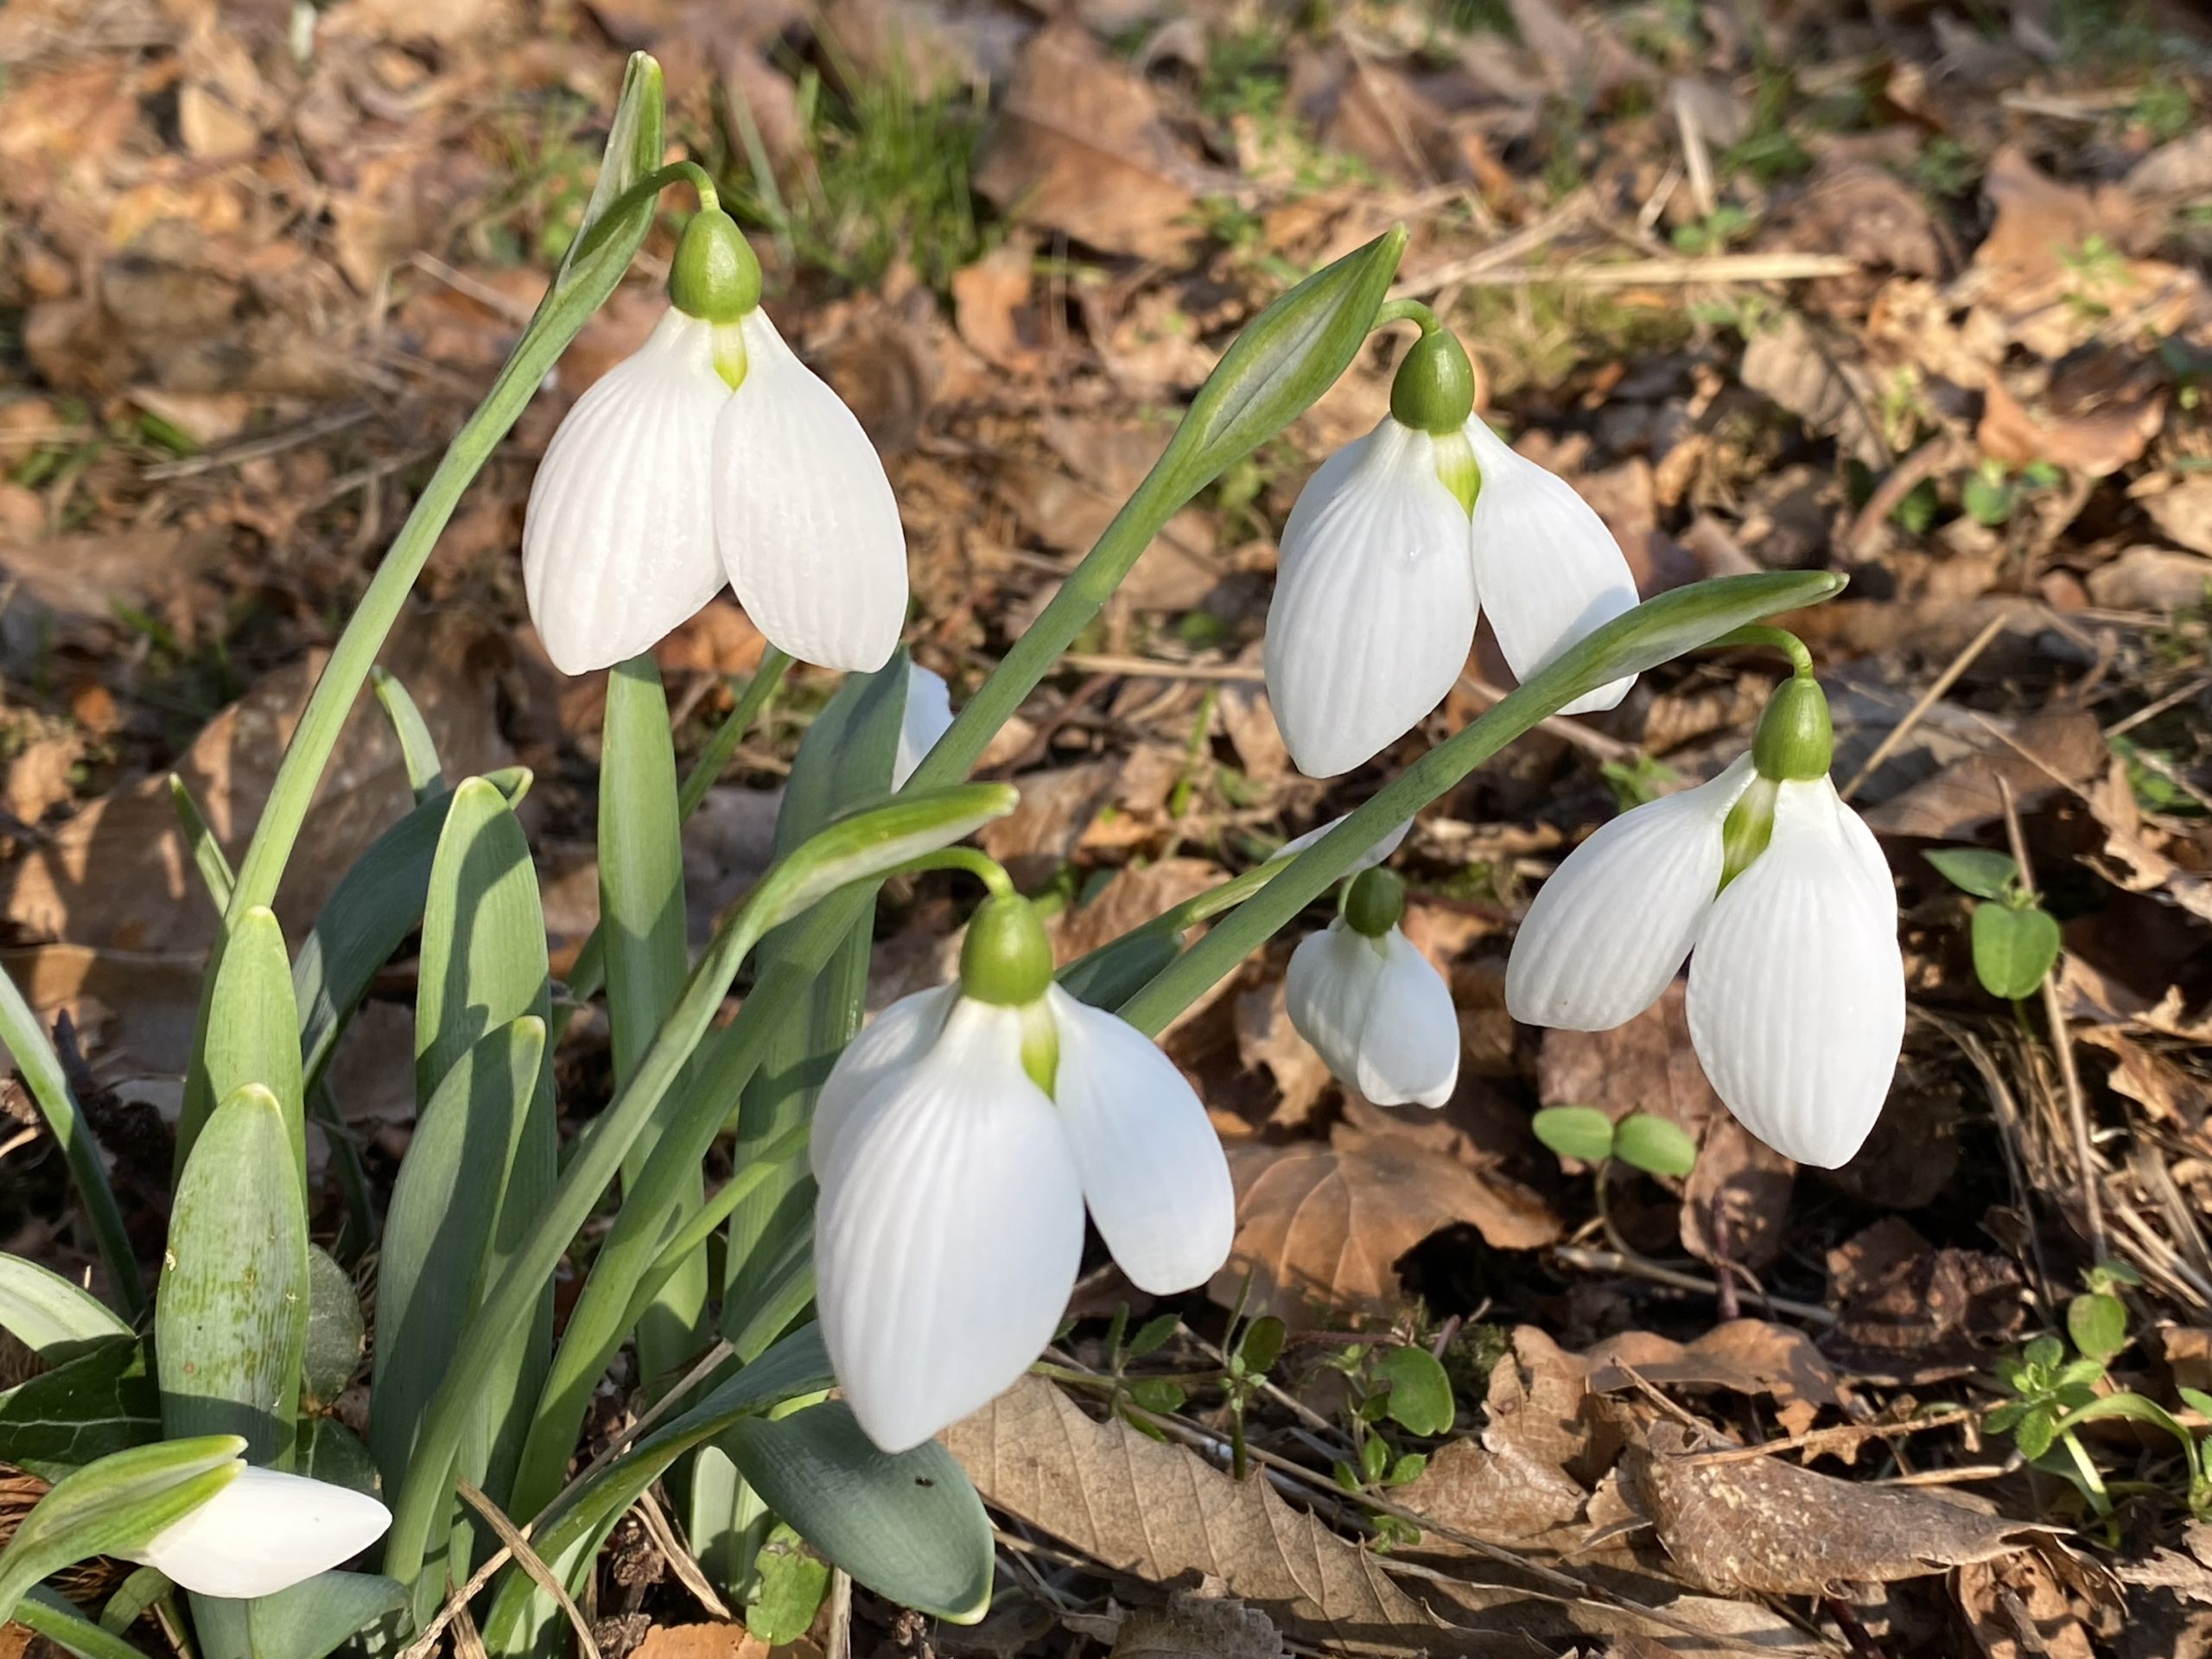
(1547, 569)
(895, 1038)
(1409, 1050)
(265, 1532)
(618, 543)
(1327, 992)
(927, 718)
(1152, 1168)
(1613, 924)
(1374, 607)
(1376, 854)
(808, 527)
(947, 1238)
(1796, 1003)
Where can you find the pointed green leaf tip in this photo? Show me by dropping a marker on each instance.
(1794, 741)
(1434, 388)
(716, 274)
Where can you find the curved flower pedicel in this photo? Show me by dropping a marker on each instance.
(712, 455)
(1396, 543)
(1372, 1006)
(1778, 895)
(264, 1532)
(956, 1142)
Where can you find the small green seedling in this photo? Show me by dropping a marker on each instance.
(1995, 491)
(1403, 1385)
(2015, 939)
(1651, 1144)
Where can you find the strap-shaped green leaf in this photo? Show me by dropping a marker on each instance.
(315, 1617)
(641, 924)
(231, 1315)
(253, 1032)
(565, 1537)
(50, 1316)
(438, 1238)
(418, 750)
(908, 1526)
(48, 1613)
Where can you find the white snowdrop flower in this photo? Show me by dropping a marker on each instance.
(927, 718)
(710, 455)
(1391, 547)
(956, 1143)
(1776, 893)
(1372, 1006)
(264, 1532)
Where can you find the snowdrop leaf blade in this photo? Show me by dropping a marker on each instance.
(641, 868)
(1284, 359)
(253, 1029)
(1409, 1051)
(907, 1525)
(114, 1506)
(1153, 1169)
(1374, 607)
(316, 1615)
(1547, 569)
(1613, 924)
(230, 1319)
(418, 750)
(947, 1241)
(264, 1532)
(53, 1616)
(1796, 999)
(619, 537)
(805, 516)
(51, 1316)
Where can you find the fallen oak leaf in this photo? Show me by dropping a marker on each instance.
(1154, 1512)
(1767, 1527)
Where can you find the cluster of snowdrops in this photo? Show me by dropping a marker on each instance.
(963, 1136)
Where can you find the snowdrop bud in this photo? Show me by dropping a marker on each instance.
(1372, 1006)
(265, 1532)
(927, 718)
(716, 275)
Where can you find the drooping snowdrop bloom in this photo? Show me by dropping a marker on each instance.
(1778, 895)
(956, 1142)
(1372, 1006)
(927, 718)
(1394, 545)
(710, 455)
(264, 1532)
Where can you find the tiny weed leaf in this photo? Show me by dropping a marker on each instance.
(1582, 1132)
(2036, 1431)
(2014, 948)
(2098, 1324)
(1375, 1458)
(1421, 1393)
(1262, 1344)
(1975, 870)
(1654, 1145)
(1154, 1336)
(1157, 1394)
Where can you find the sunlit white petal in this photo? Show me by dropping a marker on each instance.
(1547, 569)
(1367, 860)
(618, 543)
(928, 717)
(948, 1236)
(1410, 1049)
(1153, 1169)
(805, 516)
(895, 1038)
(265, 1532)
(1377, 1013)
(1374, 607)
(1796, 1002)
(1613, 925)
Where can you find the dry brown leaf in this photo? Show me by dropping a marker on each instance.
(2156, 579)
(1040, 834)
(2148, 1078)
(1156, 1512)
(2018, 1609)
(1749, 1356)
(2183, 511)
(1911, 1310)
(38, 778)
(1266, 1037)
(2183, 168)
(1078, 146)
(1808, 376)
(1319, 1226)
(2095, 442)
(1767, 1527)
(1134, 894)
(1197, 1625)
(2036, 755)
(992, 310)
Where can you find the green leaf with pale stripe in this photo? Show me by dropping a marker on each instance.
(50, 1316)
(231, 1315)
(908, 1525)
(253, 1031)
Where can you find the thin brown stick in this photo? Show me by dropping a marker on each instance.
(1928, 700)
(1822, 1440)
(526, 1558)
(679, 1558)
(2061, 1042)
(1938, 455)
(1576, 1255)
